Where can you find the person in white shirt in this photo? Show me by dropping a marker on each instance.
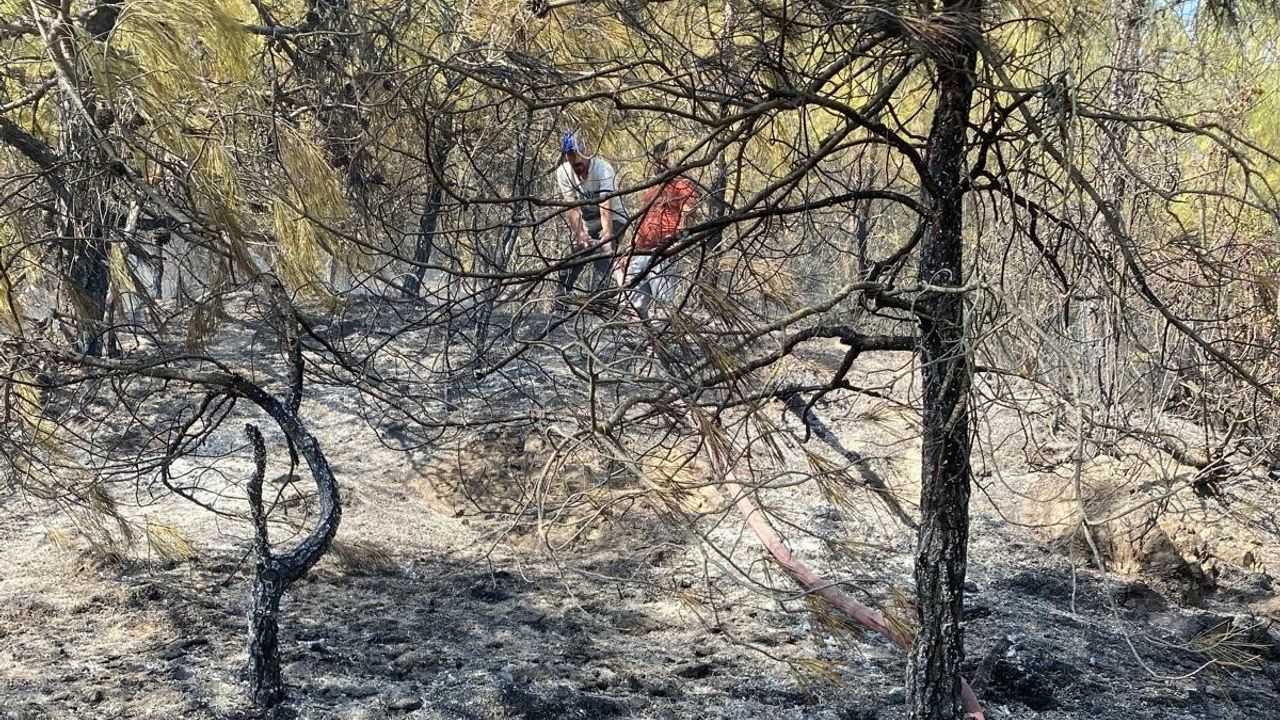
(595, 220)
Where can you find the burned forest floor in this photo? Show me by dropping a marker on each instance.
(452, 594)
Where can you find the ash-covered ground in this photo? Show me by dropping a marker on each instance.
(442, 601)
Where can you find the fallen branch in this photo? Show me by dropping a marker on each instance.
(814, 583)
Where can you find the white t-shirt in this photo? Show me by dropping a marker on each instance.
(600, 181)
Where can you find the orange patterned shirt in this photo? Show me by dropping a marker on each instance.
(663, 210)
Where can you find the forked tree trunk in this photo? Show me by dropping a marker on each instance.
(274, 573)
(266, 686)
(933, 683)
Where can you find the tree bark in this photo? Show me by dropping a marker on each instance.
(81, 222)
(329, 54)
(934, 682)
(89, 281)
(429, 219)
(274, 573)
(265, 683)
(716, 199)
(1099, 313)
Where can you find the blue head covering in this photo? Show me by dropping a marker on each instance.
(570, 142)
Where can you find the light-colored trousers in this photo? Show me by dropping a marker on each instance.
(658, 285)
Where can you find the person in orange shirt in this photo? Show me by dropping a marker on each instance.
(644, 271)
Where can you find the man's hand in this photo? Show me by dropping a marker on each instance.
(619, 269)
(583, 240)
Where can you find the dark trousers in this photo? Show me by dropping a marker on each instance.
(599, 268)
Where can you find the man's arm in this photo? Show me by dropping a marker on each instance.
(607, 187)
(577, 227)
(606, 222)
(573, 215)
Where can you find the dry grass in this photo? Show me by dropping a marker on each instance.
(1229, 646)
(360, 557)
(167, 543)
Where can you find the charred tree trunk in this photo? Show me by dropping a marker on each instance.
(82, 223)
(89, 281)
(862, 236)
(717, 197)
(934, 679)
(265, 683)
(429, 219)
(500, 260)
(1101, 313)
(329, 55)
(273, 574)
(521, 181)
